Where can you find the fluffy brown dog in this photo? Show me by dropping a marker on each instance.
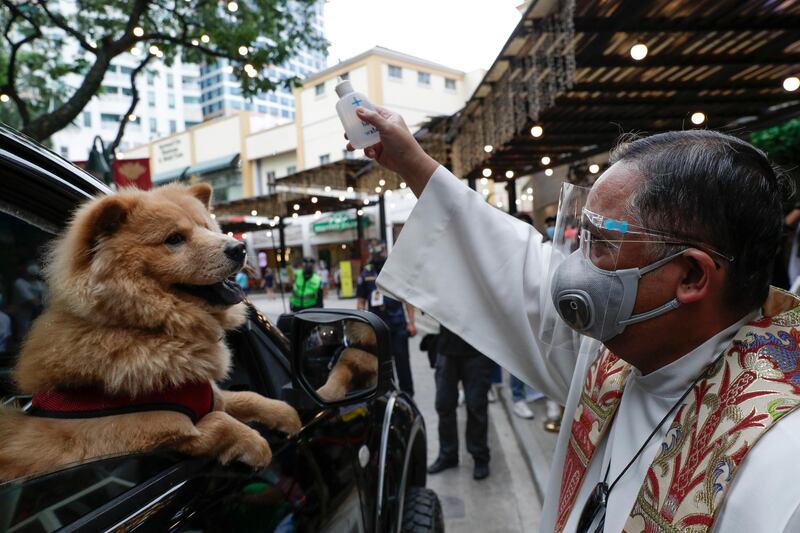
(357, 366)
(139, 305)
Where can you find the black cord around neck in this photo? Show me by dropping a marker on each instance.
(653, 433)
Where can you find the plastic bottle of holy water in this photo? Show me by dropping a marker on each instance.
(360, 133)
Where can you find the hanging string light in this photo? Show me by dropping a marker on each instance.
(791, 84)
(638, 51)
(698, 118)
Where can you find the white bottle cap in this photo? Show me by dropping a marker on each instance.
(343, 87)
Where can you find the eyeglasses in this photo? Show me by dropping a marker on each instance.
(601, 235)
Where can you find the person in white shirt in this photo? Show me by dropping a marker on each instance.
(682, 356)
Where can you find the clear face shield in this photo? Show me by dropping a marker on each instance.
(595, 265)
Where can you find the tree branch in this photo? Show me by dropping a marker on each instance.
(10, 88)
(61, 23)
(134, 101)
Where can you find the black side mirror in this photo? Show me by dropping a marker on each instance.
(340, 356)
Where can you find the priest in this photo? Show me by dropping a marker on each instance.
(649, 316)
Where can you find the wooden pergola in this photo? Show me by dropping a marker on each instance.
(567, 68)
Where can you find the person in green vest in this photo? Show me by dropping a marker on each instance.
(307, 288)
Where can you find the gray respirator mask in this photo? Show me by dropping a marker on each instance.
(599, 303)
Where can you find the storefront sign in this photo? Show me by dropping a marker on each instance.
(345, 280)
(338, 221)
(132, 173)
(172, 153)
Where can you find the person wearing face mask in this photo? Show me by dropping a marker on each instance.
(307, 290)
(397, 315)
(650, 317)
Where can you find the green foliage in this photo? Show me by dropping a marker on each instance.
(52, 60)
(781, 142)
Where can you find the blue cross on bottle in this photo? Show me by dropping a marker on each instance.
(356, 101)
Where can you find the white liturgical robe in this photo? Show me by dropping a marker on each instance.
(479, 272)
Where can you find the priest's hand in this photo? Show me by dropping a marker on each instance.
(398, 150)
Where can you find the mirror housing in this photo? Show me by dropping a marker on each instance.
(340, 356)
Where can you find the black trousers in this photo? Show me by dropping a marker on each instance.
(475, 374)
(401, 359)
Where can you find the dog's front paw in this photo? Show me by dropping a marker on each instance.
(285, 418)
(250, 448)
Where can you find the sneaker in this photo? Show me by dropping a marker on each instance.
(491, 395)
(522, 410)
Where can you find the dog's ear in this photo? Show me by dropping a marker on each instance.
(202, 191)
(100, 219)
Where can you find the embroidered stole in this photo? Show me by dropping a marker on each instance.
(738, 399)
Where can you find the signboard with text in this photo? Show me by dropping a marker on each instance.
(132, 173)
(339, 221)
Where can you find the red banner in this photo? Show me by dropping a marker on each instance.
(132, 173)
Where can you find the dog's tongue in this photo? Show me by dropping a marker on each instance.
(225, 292)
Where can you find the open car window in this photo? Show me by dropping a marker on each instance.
(52, 501)
(22, 290)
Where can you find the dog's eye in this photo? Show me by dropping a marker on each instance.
(175, 238)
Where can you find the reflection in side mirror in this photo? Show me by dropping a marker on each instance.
(336, 357)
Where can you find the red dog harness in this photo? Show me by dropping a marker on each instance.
(195, 400)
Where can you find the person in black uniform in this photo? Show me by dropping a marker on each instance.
(458, 361)
(397, 315)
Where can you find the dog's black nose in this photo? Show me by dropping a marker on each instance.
(236, 251)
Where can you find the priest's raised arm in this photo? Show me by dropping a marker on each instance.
(477, 270)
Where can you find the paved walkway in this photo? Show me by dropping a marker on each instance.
(507, 501)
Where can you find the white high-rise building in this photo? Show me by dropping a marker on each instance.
(175, 98)
(222, 94)
(169, 101)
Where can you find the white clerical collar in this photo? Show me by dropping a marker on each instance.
(671, 380)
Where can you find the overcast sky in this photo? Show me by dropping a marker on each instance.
(462, 34)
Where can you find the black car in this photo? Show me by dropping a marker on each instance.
(357, 465)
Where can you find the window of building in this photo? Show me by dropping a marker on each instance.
(112, 68)
(347, 154)
(345, 76)
(286, 101)
(127, 91)
(236, 105)
(450, 84)
(109, 117)
(188, 80)
(284, 113)
(191, 100)
(273, 111)
(87, 119)
(191, 124)
(170, 80)
(151, 77)
(395, 72)
(423, 78)
(171, 100)
(324, 159)
(125, 70)
(65, 152)
(291, 169)
(319, 89)
(262, 109)
(151, 99)
(153, 126)
(173, 126)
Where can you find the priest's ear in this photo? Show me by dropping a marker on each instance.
(701, 275)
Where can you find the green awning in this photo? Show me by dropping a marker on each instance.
(171, 175)
(213, 165)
